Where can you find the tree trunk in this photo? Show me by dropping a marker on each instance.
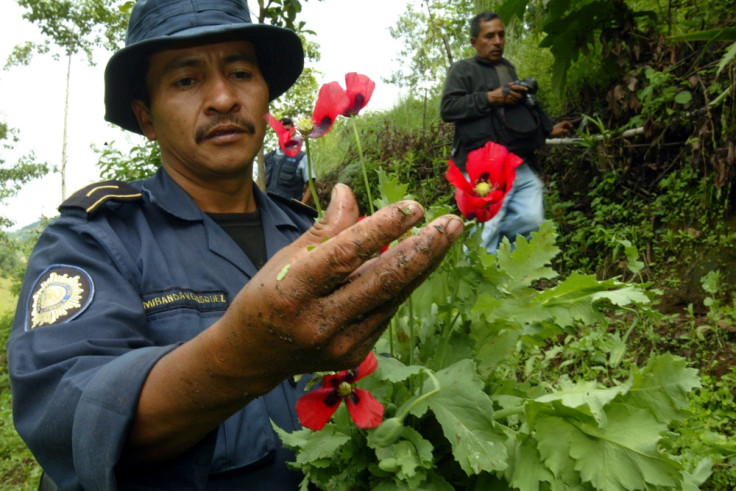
(259, 160)
(66, 123)
(261, 181)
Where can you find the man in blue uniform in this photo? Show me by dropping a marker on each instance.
(160, 323)
(287, 176)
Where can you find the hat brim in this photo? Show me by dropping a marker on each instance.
(280, 59)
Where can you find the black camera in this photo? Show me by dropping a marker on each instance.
(531, 88)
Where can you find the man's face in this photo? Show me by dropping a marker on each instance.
(207, 106)
(490, 41)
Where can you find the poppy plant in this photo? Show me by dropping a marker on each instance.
(491, 171)
(359, 89)
(315, 408)
(332, 101)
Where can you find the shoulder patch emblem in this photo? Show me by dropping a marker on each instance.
(59, 295)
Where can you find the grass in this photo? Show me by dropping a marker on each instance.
(7, 300)
(18, 468)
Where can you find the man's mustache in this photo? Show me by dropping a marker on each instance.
(201, 132)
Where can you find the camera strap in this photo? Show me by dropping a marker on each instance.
(526, 129)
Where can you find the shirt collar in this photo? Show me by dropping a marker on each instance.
(165, 193)
(486, 61)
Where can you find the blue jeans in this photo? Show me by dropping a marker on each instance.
(522, 211)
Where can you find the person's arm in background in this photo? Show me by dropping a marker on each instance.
(562, 128)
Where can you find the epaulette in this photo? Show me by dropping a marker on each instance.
(295, 205)
(90, 198)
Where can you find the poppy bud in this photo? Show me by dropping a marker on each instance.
(305, 126)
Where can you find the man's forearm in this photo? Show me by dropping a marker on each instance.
(189, 393)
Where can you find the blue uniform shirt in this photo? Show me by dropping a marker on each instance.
(108, 291)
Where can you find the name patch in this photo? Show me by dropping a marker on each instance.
(184, 299)
(60, 294)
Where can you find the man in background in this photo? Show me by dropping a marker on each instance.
(485, 100)
(288, 176)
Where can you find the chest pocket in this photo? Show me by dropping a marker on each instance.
(288, 175)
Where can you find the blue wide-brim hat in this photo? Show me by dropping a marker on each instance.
(161, 24)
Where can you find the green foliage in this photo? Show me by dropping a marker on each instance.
(710, 428)
(662, 96)
(475, 409)
(17, 246)
(608, 236)
(18, 468)
(74, 26)
(575, 27)
(433, 36)
(712, 36)
(14, 176)
(137, 162)
(281, 13)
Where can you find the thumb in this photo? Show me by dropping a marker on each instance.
(341, 213)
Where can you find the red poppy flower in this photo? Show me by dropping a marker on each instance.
(359, 89)
(315, 408)
(332, 101)
(491, 170)
(288, 141)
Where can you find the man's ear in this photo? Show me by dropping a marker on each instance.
(143, 115)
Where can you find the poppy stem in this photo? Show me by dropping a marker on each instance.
(446, 334)
(362, 166)
(411, 330)
(403, 411)
(310, 180)
(391, 331)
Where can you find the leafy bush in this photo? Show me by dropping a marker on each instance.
(18, 468)
(490, 379)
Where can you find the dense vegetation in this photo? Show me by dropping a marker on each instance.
(646, 193)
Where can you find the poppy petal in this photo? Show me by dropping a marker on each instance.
(367, 412)
(494, 158)
(368, 366)
(289, 141)
(275, 124)
(359, 89)
(312, 410)
(331, 102)
(456, 177)
(472, 206)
